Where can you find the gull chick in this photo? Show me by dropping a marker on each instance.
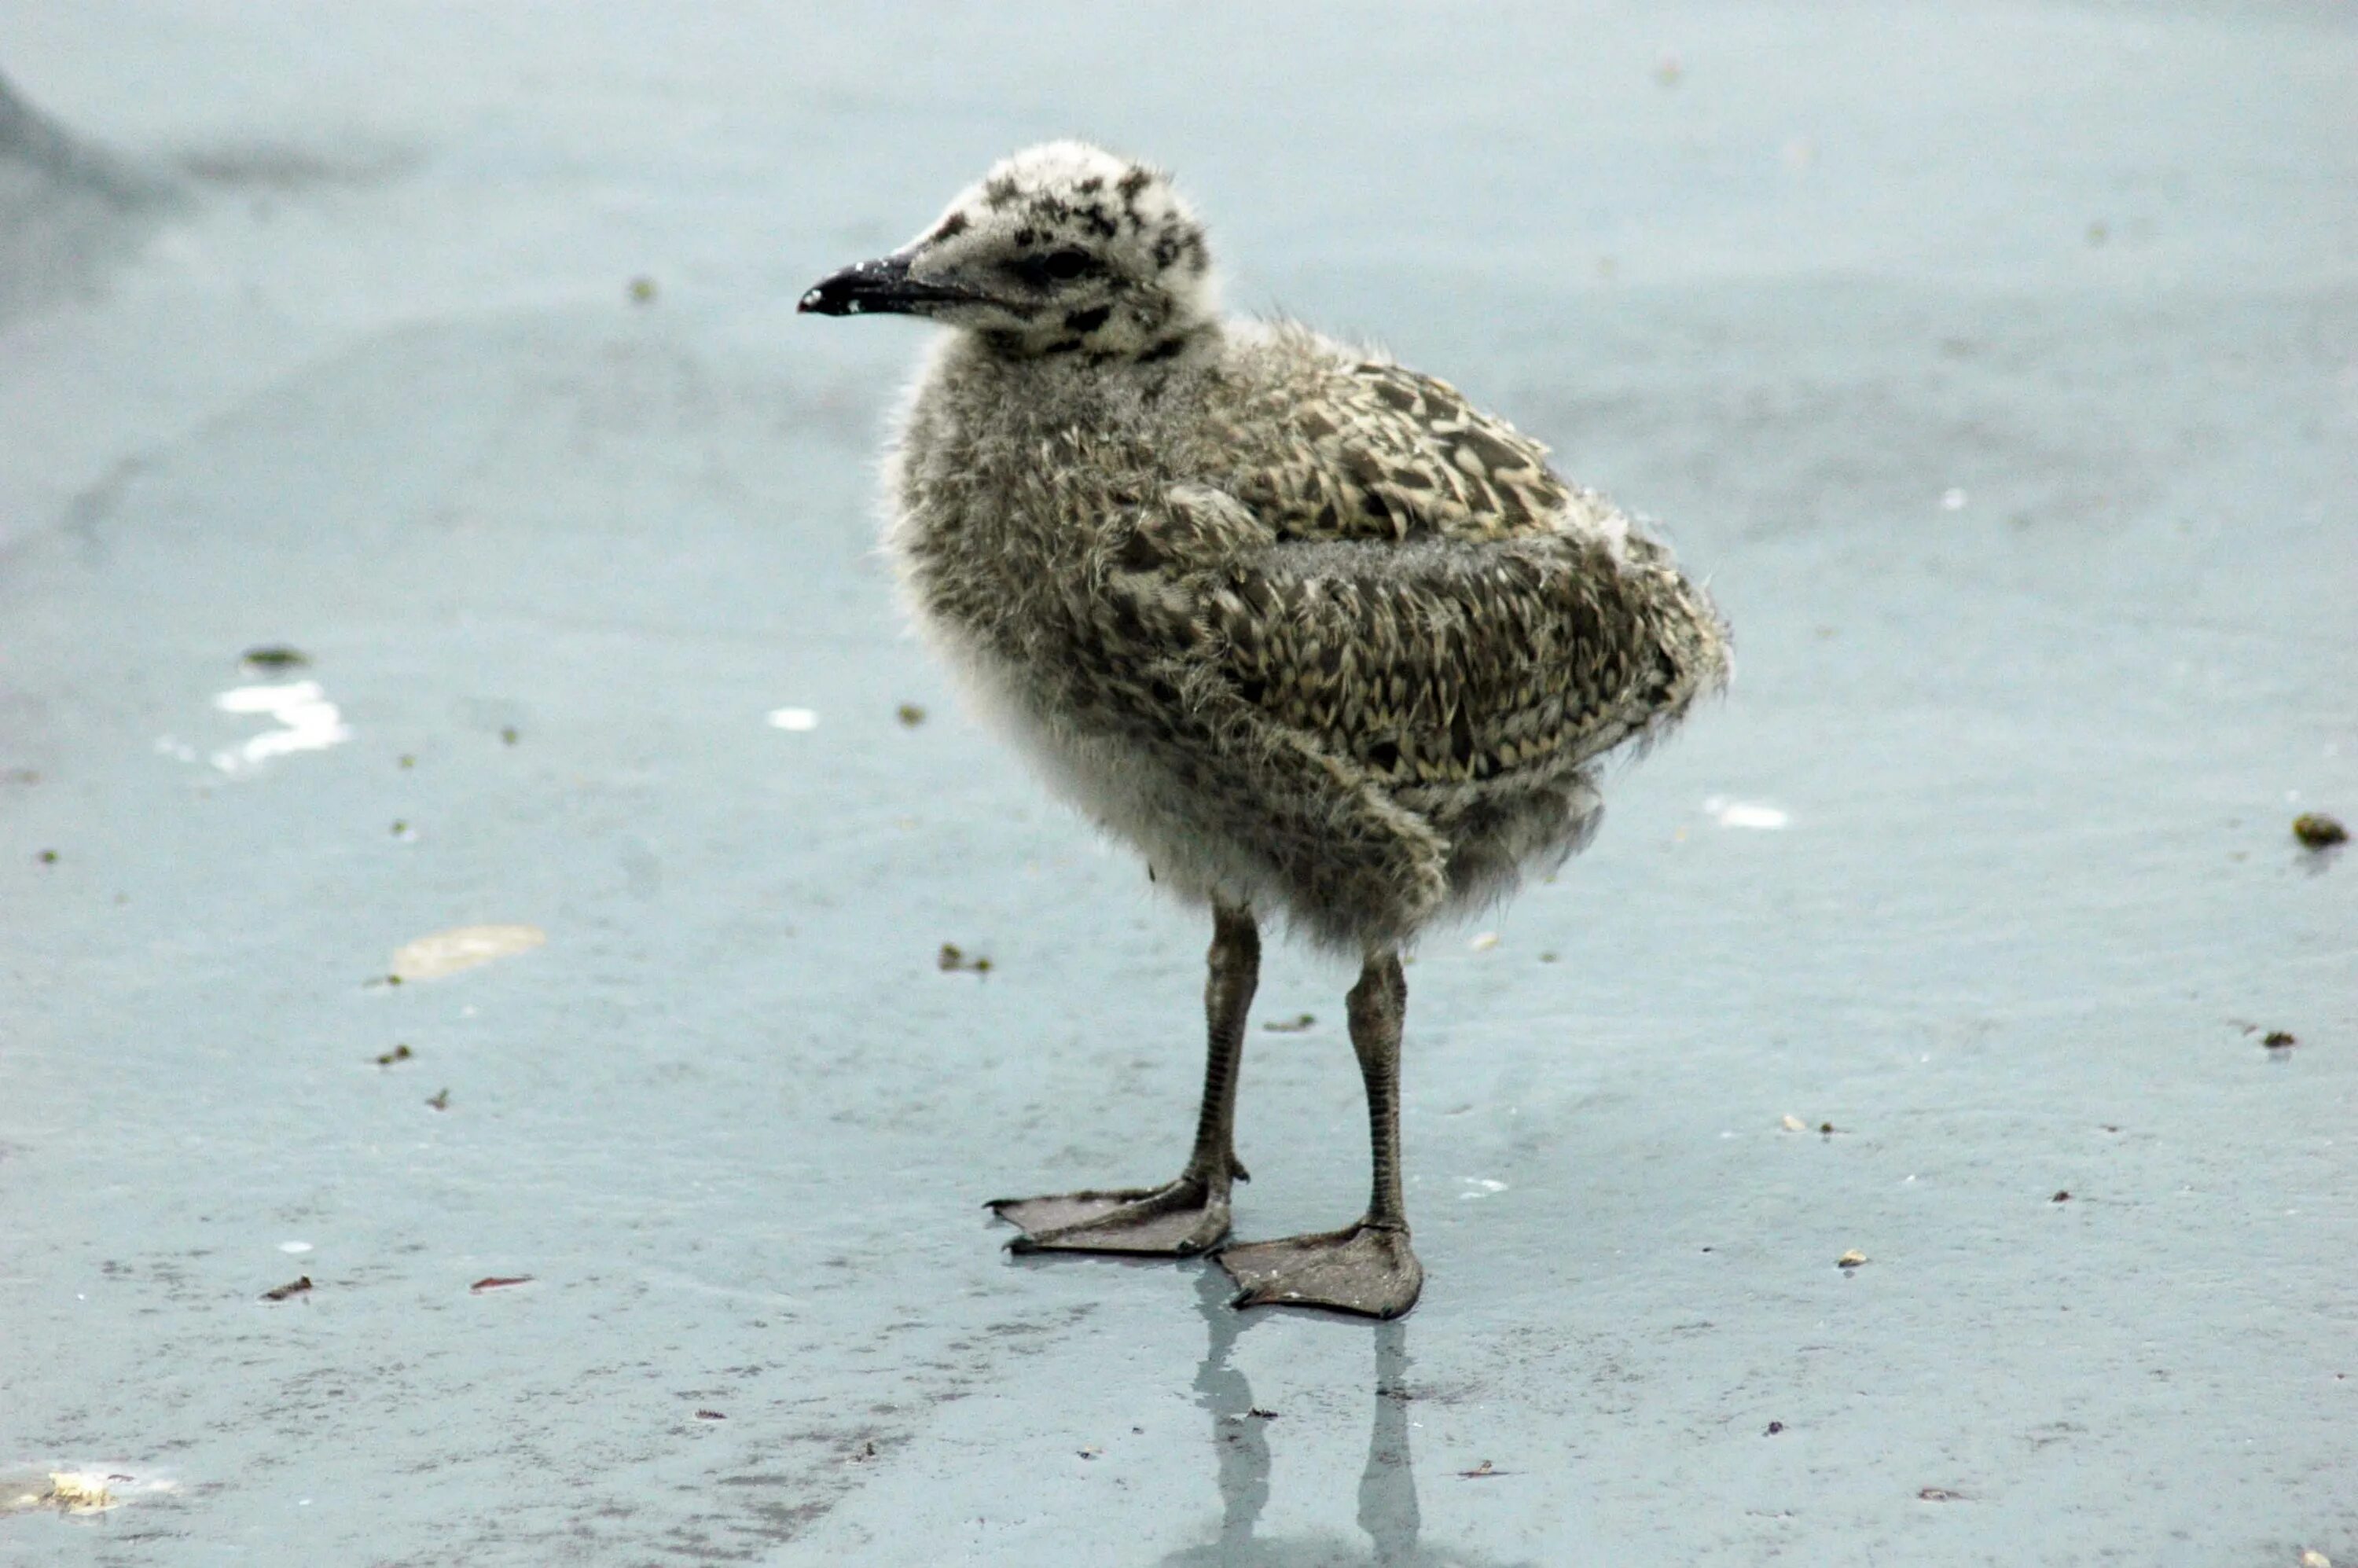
(1320, 638)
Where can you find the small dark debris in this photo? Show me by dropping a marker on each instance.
(499, 1281)
(2317, 831)
(1827, 1128)
(1940, 1495)
(1483, 1471)
(1089, 1453)
(1774, 1428)
(910, 715)
(2279, 1040)
(291, 1288)
(440, 1100)
(952, 959)
(643, 291)
(867, 1450)
(1547, 958)
(2061, 1196)
(27, 776)
(276, 656)
(407, 760)
(398, 1053)
(1293, 1025)
(49, 857)
(710, 1416)
(119, 1475)
(393, 979)
(508, 735)
(1259, 1414)
(400, 828)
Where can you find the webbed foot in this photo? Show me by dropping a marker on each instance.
(1179, 1220)
(1364, 1268)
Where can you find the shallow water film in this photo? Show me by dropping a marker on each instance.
(516, 978)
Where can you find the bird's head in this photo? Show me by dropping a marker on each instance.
(1062, 249)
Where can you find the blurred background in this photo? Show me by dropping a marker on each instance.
(422, 512)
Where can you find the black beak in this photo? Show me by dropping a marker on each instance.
(878, 287)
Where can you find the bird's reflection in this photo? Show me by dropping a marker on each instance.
(1239, 1438)
(1387, 1484)
(1387, 1509)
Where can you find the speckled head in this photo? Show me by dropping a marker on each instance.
(1062, 249)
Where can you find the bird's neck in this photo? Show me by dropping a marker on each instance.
(1174, 342)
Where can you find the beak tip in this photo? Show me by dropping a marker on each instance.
(873, 288)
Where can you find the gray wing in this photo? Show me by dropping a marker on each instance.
(1341, 710)
(1445, 663)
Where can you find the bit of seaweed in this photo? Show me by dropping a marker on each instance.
(2316, 831)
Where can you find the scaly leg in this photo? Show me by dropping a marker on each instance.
(1365, 1268)
(1189, 1216)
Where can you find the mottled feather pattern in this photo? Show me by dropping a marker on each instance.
(1312, 631)
(1360, 730)
(1431, 669)
(1362, 448)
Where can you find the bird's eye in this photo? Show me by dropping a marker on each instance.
(1056, 266)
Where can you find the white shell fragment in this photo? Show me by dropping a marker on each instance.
(463, 947)
(795, 718)
(307, 720)
(1745, 814)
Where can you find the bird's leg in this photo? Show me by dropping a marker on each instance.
(1189, 1215)
(1367, 1267)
